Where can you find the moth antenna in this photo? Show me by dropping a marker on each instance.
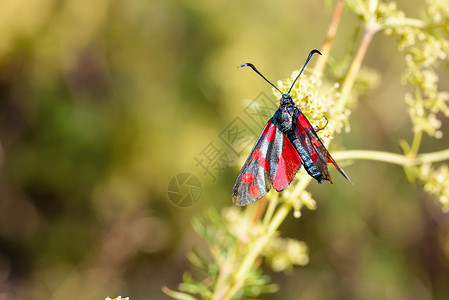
(303, 67)
(255, 70)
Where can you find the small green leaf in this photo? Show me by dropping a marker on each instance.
(177, 295)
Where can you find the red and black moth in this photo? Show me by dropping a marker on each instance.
(287, 142)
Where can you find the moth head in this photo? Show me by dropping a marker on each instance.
(286, 99)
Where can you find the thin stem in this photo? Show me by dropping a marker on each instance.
(417, 135)
(328, 41)
(433, 157)
(301, 186)
(393, 158)
(371, 28)
(355, 66)
(416, 143)
(270, 210)
(177, 295)
(372, 9)
(403, 22)
(249, 259)
(261, 205)
(388, 157)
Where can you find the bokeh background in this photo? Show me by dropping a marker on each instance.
(103, 102)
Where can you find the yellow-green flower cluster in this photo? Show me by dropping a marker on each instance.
(436, 182)
(316, 100)
(281, 253)
(427, 100)
(241, 227)
(366, 80)
(304, 199)
(438, 11)
(425, 44)
(284, 253)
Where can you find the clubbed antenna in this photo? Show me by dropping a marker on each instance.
(255, 70)
(300, 72)
(305, 64)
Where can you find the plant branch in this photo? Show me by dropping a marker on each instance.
(416, 143)
(270, 210)
(328, 41)
(301, 186)
(370, 30)
(261, 205)
(397, 159)
(402, 22)
(256, 249)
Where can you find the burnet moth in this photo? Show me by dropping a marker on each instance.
(287, 142)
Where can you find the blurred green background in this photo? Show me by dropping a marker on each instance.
(103, 102)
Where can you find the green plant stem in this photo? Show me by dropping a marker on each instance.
(270, 210)
(177, 295)
(416, 143)
(301, 186)
(432, 157)
(249, 259)
(398, 159)
(403, 22)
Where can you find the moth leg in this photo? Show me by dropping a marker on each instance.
(319, 129)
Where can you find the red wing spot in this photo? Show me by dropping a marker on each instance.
(280, 181)
(300, 127)
(271, 134)
(315, 143)
(265, 130)
(329, 161)
(303, 120)
(254, 191)
(292, 158)
(314, 156)
(264, 164)
(247, 178)
(257, 153)
(288, 164)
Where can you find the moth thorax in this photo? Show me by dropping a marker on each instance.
(286, 99)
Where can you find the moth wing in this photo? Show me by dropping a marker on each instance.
(314, 146)
(272, 163)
